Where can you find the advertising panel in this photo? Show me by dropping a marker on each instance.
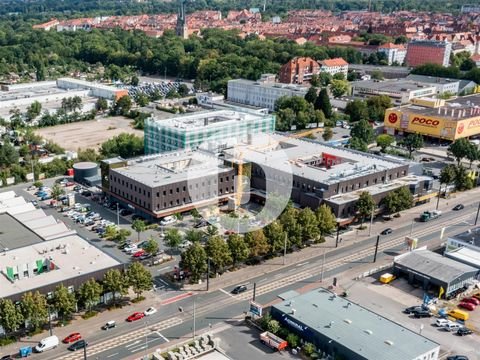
(392, 119)
(468, 127)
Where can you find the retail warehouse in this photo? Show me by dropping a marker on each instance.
(343, 329)
(437, 118)
(433, 271)
(38, 253)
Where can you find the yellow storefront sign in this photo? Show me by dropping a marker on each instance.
(468, 127)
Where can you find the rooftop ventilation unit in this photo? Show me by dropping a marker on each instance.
(348, 321)
(389, 342)
(369, 332)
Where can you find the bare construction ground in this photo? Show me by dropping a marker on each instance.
(87, 134)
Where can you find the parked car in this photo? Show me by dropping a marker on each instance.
(411, 309)
(457, 357)
(135, 316)
(458, 207)
(109, 325)
(185, 244)
(467, 306)
(47, 343)
(150, 311)
(387, 231)
(441, 322)
(239, 289)
(72, 338)
(463, 331)
(168, 220)
(200, 224)
(452, 326)
(131, 248)
(80, 344)
(471, 300)
(422, 313)
(138, 253)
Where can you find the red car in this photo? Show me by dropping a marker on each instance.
(471, 300)
(72, 338)
(69, 183)
(138, 253)
(467, 305)
(135, 316)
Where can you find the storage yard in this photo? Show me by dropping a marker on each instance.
(88, 134)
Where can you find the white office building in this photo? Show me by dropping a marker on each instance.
(262, 93)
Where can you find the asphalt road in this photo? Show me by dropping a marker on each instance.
(220, 306)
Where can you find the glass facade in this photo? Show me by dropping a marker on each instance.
(161, 137)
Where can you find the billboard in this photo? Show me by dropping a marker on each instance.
(255, 309)
(435, 126)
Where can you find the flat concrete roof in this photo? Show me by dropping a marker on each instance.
(171, 167)
(15, 235)
(466, 256)
(471, 236)
(460, 108)
(71, 255)
(433, 265)
(368, 334)
(391, 86)
(291, 155)
(434, 80)
(274, 85)
(208, 119)
(33, 91)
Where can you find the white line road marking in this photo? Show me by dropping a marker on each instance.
(138, 349)
(163, 282)
(134, 343)
(164, 268)
(112, 355)
(305, 263)
(227, 293)
(163, 337)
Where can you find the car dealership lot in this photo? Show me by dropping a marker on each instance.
(390, 301)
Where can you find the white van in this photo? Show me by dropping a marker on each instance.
(452, 326)
(442, 322)
(48, 343)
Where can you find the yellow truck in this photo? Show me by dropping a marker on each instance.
(458, 314)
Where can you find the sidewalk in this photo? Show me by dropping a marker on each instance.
(352, 237)
(88, 328)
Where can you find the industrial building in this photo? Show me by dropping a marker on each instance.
(469, 239)
(299, 70)
(342, 329)
(465, 255)
(395, 53)
(165, 184)
(451, 120)
(421, 52)
(401, 91)
(262, 93)
(95, 89)
(86, 173)
(39, 253)
(433, 271)
(213, 130)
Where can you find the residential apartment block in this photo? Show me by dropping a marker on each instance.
(261, 93)
(421, 52)
(212, 129)
(395, 53)
(299, 70)
(334, 66)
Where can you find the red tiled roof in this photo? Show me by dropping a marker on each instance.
(391, 46)
(333, 62)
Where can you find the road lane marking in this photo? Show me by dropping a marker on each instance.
(112, 355)
(176, 298)
(133, 344)
(227, 293)
(163, 337)
(164, 268)
(304, 263)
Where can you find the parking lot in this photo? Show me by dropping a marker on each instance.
(392, 300)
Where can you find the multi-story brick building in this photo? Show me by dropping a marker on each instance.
(299, 70)
(421, 52)
(334, 66)
(395, 53)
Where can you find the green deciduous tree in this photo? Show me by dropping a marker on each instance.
(8, 155)
(326, 220)
(139, 226)
(357, 110)
(257, 243)
(89, 293)
(323, 103)
(275, 235)
(412, 142)
(339, 87)
(308, 223)
(121, 106)
(384, 141)
(365, 205)
(193, 235)
(311, 95)
(101, 104)
(363, 130)
(57, 191)
(289, 221)
(34, 308)
(398, 200)
(447, 174)
(173, 238)
(377, 106)
(10, 315)
(218, 252)
(34, 110)
(63, 301)
(462, 148)
(194, 259)
(124, 145)
(462, 180)
(139, 278)
(327, 133)
(115, 282)
(238, 248)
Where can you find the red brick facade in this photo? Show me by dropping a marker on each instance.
(299, 70)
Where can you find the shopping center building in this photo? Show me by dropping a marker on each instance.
(436, 118)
